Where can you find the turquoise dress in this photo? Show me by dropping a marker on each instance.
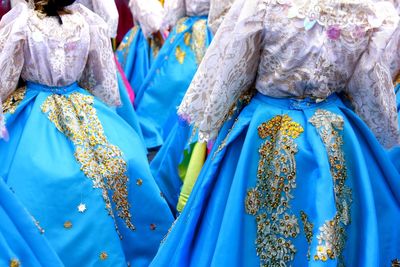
(169, 77)
(296, 177)
(21, 242)
(73, 162)
(136, 54)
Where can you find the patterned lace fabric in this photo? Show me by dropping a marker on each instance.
(107, 10)
(218, 10)
(41, 50)
(296, 48)
(177, 9)
(149, 14)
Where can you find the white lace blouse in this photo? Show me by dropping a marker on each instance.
(176, 9)
(107, 10)
(41, 50)
(149, 14)
(301, 48)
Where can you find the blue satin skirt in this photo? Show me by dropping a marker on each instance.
(290, 183)
(21, 242)
(82, 172)
(136, 55)
(169, 77)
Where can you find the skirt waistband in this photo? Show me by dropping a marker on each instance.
(52, 89)
(299, 104)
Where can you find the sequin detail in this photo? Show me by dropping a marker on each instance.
(103, 256)
(15, 263)
(332, 235)
(180, 54)
(308, 228)
(100, 161)
(270, 200)
(11, 104)
(199, 35)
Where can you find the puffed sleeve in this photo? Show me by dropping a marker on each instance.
(174, 10)
(100, 74)
(107, 10)
(12, 40)
(228, 69)
(149, 14)
(371, 88)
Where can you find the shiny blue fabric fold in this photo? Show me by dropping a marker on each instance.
(167, 81)
(217, 229)
(126, 110)
(135, 56)
(20, 239)
(40, 162)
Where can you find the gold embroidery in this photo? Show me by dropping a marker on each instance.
(180, 54)
(125, 45)
(100, 161)
(308, 231)
(68, 225)
(199, 32)
(181, 25)
(395, 263)
(187, 38)
(15, 263)
(10, 105)
(103, 256)
(332, 236)
(270, 200)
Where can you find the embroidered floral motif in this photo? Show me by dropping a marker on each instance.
(332, 236)
(308, 230)
(10, 105)
(102, 162)
(199, 32)
(270, 200)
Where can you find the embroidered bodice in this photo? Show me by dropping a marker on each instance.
(176, 9)
(41, 50)
(107, 10)
(149, 14)
(298, 49)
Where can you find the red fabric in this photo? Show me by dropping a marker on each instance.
(5, 6)
(126, 82)
(125, 19)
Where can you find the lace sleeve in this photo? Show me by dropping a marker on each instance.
(228, 69)
(149, 14)
(107, 10)
(174, 10)
(371, 88)
(12, 40)
(218, 10)
(100, 75)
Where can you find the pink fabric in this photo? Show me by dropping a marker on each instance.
(126, 82)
